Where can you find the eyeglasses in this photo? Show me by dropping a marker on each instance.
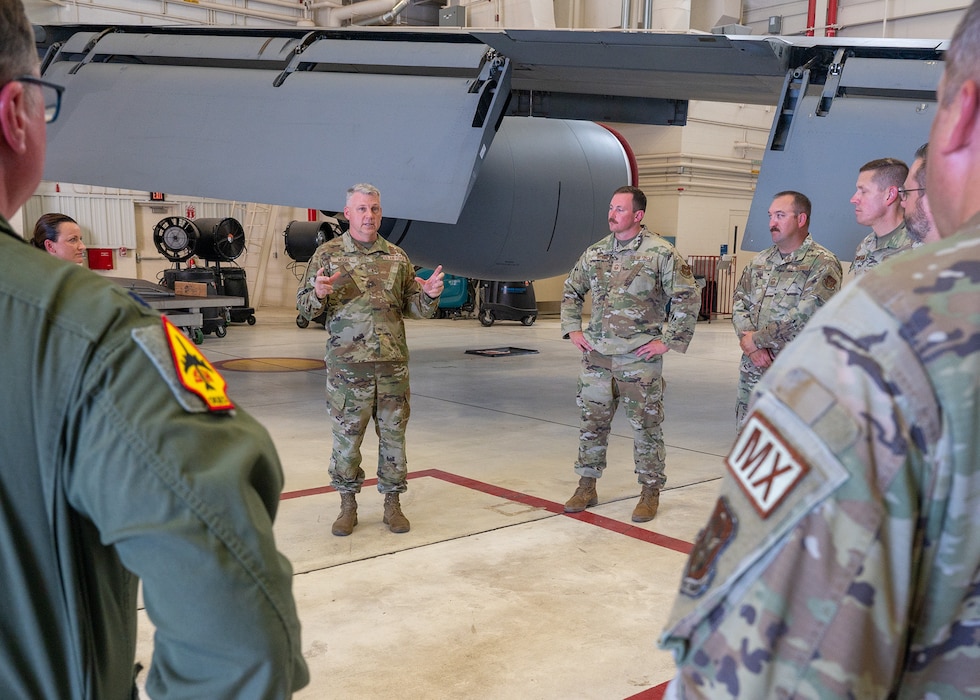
(904, 193)
(51, 93)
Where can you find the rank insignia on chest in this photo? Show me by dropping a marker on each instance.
(764, 465)
(195, 373)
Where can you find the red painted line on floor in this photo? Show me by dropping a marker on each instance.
(633, 531)
(323, 489)
(602, 521)
(367, 482)
(306, 492)
(492, 490)
(654, 693)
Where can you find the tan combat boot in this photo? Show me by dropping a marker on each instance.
(394, 518)
(345, 522)
(646, 509)
(585, 495)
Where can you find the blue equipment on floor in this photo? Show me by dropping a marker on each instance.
(458, 294)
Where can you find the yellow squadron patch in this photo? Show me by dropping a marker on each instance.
(195, 373)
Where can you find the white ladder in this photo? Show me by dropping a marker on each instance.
(260, 221)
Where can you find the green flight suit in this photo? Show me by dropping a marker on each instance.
(110, 472)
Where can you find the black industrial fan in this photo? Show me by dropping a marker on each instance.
(304, 237)
(221, 240)
(176, 238)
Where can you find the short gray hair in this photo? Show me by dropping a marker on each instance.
(962, 59)
(18, 56)
(363, 188)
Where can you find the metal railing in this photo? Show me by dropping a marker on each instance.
(718, 273)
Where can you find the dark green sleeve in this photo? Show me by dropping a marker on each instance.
(187, 499)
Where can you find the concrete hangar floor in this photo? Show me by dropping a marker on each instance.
(494, 593)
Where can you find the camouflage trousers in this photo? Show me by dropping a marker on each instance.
(356, 393)
(748, 376)
(603, 382)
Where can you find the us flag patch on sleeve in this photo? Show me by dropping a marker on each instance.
(195, 373)
(765, 467)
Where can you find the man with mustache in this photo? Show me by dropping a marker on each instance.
(632, 275)
(915, 203)
(779, 291)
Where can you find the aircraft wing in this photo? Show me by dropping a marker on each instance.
(294, 117)
(193, 110)
(287, 118)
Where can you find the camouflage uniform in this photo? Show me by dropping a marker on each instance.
(631, 286)
(367, 354)
(873, 249)
(775, 297)
(841, 559)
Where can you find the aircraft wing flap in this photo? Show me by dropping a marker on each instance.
(885, 109)
(314, 48)
(416, 54)
(893, 76)
(643, 64)
(153, 47)
(79, 42)
(218, 123)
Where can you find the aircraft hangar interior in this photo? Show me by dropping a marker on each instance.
(208, 145)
